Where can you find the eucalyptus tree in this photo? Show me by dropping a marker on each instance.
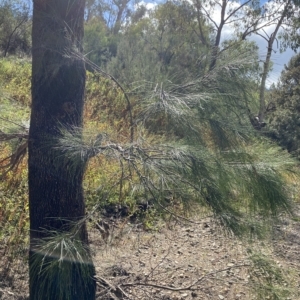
(248, 18)
(15, 22)
(163, 43)
(290, 36)
(283, 12)
(103, 22)
(222, 13)
(59, 260)
(112, 12)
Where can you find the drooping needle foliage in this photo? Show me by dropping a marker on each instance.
(204, 149)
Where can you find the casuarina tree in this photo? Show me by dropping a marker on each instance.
(59, 262)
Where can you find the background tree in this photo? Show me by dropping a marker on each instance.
(284, 108)
(289, 37)
(97, 42)
(248, 18)
(231, 13)
(59, 260)
(15, 25)
(281, 20)
(112, 12)
(163, 44)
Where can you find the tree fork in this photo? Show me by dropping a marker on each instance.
(55, 192)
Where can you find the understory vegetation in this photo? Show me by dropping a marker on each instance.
(173, 130)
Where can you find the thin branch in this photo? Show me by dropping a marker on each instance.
(235, 10)
(9, 121)
(11, 136)
(189, 287)
(209, 17)
(99, 70)
(115, 289)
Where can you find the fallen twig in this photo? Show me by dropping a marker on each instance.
(117, 290)
(178, 289)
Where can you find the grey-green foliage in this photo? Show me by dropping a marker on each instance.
(284, 108)
(163, 43)
(217, 99)
(205, 150)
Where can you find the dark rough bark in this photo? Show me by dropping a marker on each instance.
(55, 191)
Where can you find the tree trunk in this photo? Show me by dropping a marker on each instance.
(121, 5)
(55, 189)
(216, 47)
(262, 102)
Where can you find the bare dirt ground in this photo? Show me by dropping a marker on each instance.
(190, 260)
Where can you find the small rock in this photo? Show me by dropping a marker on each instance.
(221, 297)
(194, 294)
